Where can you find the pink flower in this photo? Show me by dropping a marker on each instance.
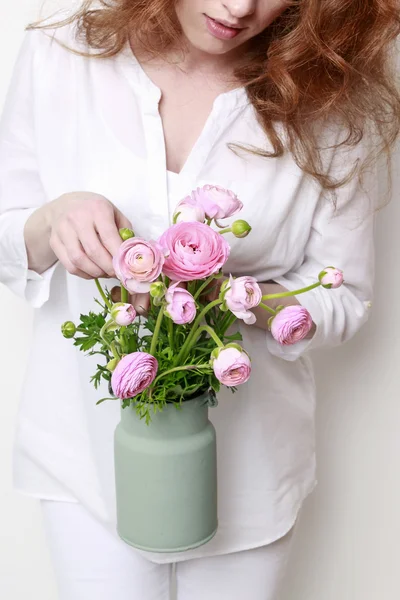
(133, 374)
(243, 293)
(189, 209)
(195, 251)
(291, 325)
(331, 278)
(232, 366)
(217, 202)
(138, 263)
(123, 314)
(181, 305)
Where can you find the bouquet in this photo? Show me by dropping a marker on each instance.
(184, 345)
(178, 355)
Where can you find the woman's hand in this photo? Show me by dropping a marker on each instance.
(80, 229)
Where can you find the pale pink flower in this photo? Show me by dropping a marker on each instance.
(291, 324)
(123, 314)
(217, 202)
(232, 366)
(242, 294)
(138, 263)
(195, 251)
(181, 306)
(134, 373)
(189, 209)
(331, 277)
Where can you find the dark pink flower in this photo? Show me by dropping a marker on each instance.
(133, 374)
(291, 324)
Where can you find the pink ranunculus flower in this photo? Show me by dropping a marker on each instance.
(123, 314)
(138, 263)
(181, 306)
(243, 293)
(217, 202)
(133, 374)
(291, 324)
(331, 277)
(189, 209)
(195, 251)
(232, 366)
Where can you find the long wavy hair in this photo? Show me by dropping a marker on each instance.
(319, 60)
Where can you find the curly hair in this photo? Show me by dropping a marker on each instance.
(318, 61)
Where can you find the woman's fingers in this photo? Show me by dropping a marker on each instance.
(95, 251)
(140, 302)
(108, 221)
(61, 252)
(76, 253)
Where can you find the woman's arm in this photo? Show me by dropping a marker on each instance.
(343, 238)
(78, 229)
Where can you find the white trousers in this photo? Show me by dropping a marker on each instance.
(92, 564)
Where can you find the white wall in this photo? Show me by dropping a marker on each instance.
(347, 545)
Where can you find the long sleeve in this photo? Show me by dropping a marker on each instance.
(21, 190)
(343, 238)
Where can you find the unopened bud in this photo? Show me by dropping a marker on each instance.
(331, 277)
(68, 329)
(126, 234)
(112, 364)
(240, 228)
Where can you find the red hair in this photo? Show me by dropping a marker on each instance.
(318, 61)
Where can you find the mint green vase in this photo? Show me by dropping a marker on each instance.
(166, 477)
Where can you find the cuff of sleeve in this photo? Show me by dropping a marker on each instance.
(14, 272)
(313, 303)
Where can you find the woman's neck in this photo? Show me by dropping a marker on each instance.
(192, 61)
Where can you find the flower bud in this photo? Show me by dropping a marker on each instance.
(232, 365)
(68, 329)
(331, 277)
(240, 228)
(157, 289)
(126, 234)
(112, 364)
(123, 314)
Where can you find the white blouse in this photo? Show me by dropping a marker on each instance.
(78, 124)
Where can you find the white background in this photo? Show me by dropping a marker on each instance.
(348, 542)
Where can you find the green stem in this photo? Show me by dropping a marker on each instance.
(209, 221)
(114, 350)
(102, 294)
(171, 334)
(210, 332)
(226, 230)
(182, 353)
(124, 295)
(185, 368)
(267, 308)
(156, 331)
(294, 293)
(204, 285)
(110, 345)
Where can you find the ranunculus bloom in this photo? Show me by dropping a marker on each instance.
(138, 263)
(291, 324)
(243, 293)
(189, 209)
(123, 314)
(331, 277)
(232, 366)
(195, 251)
(133, 374)
(181, 306)
(217, 202)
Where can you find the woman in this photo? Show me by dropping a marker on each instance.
(273, 99)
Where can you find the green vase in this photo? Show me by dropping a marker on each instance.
(166, 477)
